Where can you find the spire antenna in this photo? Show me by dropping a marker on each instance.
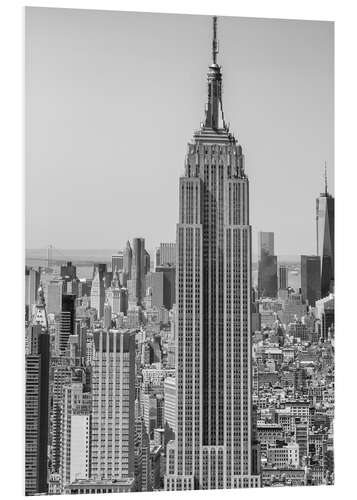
(325, 179)
(214, 41)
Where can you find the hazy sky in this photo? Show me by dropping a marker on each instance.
(112, 99)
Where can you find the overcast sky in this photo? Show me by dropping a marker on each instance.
(112, 99)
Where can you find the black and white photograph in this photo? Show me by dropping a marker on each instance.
(179, 287)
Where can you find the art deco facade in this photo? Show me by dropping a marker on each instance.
(97, 297)
(212, 447)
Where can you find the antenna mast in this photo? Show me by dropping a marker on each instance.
(214, 41)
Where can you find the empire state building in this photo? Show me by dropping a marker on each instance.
(213, 443)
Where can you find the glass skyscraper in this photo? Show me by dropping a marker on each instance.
(325, 232)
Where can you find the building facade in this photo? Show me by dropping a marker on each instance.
(113, 401)
(283, 277)
(325, 233)
(213, 443)
(310, 279)
(167, 254)
(97, 294)
(267, 265)
(67, 321)
(37, 362)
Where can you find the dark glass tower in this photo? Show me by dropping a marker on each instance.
(36, 401)
(213, 444)
(310, 279)
(325, 232)
(67, 321)
(267, 266)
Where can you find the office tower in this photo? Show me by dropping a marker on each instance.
(61, 376)
(325, 232)
(167, 254)
(54, 296)
(155, 283)
(147, 263)
(107, 315)
(113, 420)
(75, 432)
(114, 295)
(97, 294)
(37, 402)
(128, 260)
(118, 262)
(310, 279)
(169, 284)
(69, 271)
(265, 244)
(138, 270)
(267, 265)
(213, 296)
(33, 283)
(81, 329)
(283, 277)
(67, 319)
(157, 257)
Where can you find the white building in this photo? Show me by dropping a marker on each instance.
(113, 405)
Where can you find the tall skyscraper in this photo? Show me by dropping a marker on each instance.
(138, 270)
(97, 294)
(61, 376)
(265, 244)
(54, 296)
(37, 401)
(147, 263)
(67, 321)
(310, 279)
(213, 444)
(113, 419)
(116, 295)
(169, 273)
(107, 315)
(267, 265)
(283, 277)
(128, 260)
(33, 283)
(157, 256)
(325, 233)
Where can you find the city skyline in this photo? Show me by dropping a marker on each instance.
(179, 370)
(256, 62)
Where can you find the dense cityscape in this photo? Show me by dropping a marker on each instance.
(174, 370)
